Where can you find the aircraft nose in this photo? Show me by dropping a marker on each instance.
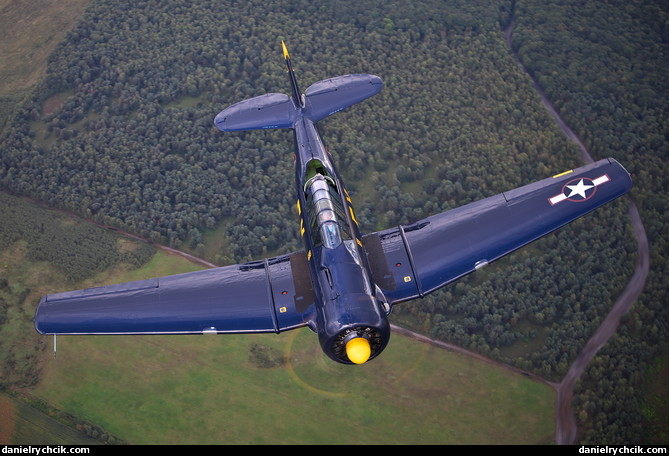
(358, 350)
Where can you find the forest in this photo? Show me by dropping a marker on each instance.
(120, 132)
(615, 97)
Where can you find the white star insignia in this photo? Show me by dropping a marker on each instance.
(579, 189)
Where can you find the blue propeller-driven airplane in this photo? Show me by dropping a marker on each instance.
(344, 283)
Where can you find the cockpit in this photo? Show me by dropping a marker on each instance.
(327, 223)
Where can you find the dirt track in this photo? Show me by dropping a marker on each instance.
(565, 432)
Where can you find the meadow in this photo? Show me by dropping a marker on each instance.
(30, 31)
(280, 389)
(231, 389)
(23, 424)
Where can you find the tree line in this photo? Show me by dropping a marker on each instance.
(604, 64)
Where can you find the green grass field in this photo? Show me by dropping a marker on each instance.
(219, 389)
(213, 390)
(23, 424)
(30, 30)
(207, 390)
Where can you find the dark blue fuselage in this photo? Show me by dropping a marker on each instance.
(347, 300)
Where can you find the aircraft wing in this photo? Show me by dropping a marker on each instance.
(414, 260)
(272, 295)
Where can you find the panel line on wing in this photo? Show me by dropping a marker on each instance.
(87, 293)
(270, 292)
(411, 262)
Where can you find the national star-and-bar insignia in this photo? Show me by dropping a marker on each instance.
(579, 189)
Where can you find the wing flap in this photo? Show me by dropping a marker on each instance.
(252, 297)
(390, 264)
(447, 246)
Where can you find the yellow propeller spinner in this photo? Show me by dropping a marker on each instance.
(358, 350)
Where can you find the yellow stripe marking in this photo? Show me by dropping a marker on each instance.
(562, 174)
(350, 209)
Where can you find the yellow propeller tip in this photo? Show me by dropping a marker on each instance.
(358, 350)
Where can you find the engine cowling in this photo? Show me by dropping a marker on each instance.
(351, 326)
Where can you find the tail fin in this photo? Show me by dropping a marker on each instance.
(276, 110)
(297, 95)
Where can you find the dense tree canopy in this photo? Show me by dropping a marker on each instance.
(132, 143)
(604, 65)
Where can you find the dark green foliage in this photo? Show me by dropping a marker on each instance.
(538, 307)
(78, 250)
(133, 144)
(30, 237)
(604, 64)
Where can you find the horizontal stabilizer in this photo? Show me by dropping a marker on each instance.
(277, 110)
(272, 110)
(329, 96)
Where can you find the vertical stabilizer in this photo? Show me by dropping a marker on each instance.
(297, 95)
